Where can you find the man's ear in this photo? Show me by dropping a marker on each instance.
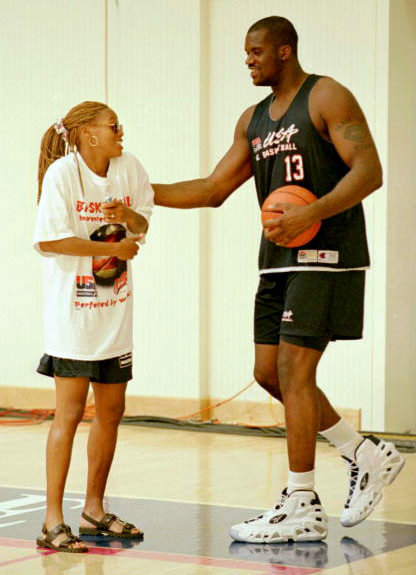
(285, 52)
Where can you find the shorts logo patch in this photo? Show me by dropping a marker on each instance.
(125, 360)
(287, 316)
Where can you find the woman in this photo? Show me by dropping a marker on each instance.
(94, 205)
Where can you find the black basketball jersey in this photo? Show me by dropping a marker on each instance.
(292, 151)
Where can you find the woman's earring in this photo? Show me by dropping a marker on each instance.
(93, 141)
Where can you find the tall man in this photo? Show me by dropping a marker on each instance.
(310, 131)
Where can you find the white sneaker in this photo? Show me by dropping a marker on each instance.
(377, 463)
(298, 517)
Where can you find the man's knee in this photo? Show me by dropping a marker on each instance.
(268, 381)
(297, 367)
(265, 378)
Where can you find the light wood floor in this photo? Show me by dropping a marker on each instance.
(191, 467)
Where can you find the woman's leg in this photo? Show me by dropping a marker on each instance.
(71, 395)
(109, 409)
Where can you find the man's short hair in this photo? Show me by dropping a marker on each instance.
(280, 29)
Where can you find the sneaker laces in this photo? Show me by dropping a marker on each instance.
(283, 496)
(353, 472)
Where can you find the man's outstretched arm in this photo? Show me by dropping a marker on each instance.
(230, 172)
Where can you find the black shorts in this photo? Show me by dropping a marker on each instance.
(113, 370)
(309, 308)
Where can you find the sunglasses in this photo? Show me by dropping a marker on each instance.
(116, 127)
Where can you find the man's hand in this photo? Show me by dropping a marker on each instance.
(290, 221)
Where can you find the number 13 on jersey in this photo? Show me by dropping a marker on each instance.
(294, 168)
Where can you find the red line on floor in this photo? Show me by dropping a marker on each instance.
(262, 568)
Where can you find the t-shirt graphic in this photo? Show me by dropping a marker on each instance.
(107, 269)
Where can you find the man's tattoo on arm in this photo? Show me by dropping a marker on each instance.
(339, 126)
(355, 132)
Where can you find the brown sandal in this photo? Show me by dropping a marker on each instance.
(64, 546)
(102, 527)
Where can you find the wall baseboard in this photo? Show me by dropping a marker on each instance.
(259, 413)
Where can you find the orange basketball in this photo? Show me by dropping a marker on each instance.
(291, 195)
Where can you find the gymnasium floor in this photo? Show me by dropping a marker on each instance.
(185, 489)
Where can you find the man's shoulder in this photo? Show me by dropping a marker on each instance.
(329, 94)
(327, 87)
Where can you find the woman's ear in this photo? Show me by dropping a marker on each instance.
(85, 131)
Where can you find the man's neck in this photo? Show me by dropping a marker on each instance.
(289, 83)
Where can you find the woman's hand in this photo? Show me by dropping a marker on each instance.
(128, 247)
(115, 212)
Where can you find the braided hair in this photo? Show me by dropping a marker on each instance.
(63, 136)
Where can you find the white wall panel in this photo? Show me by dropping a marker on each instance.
(400, 409)
(51, 58)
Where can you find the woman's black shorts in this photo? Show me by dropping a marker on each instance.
(113, 370)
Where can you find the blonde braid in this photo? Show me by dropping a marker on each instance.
(54, 145)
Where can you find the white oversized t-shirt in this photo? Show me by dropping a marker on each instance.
(88, 301)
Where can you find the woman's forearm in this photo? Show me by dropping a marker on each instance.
(75, 246)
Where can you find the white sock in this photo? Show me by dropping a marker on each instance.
(344, 437)
(300, 481)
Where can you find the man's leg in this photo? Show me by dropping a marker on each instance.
(266, 375)
(299, 516)
(309, 302)
(297, 375)
(376, 458)
(109, 409)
